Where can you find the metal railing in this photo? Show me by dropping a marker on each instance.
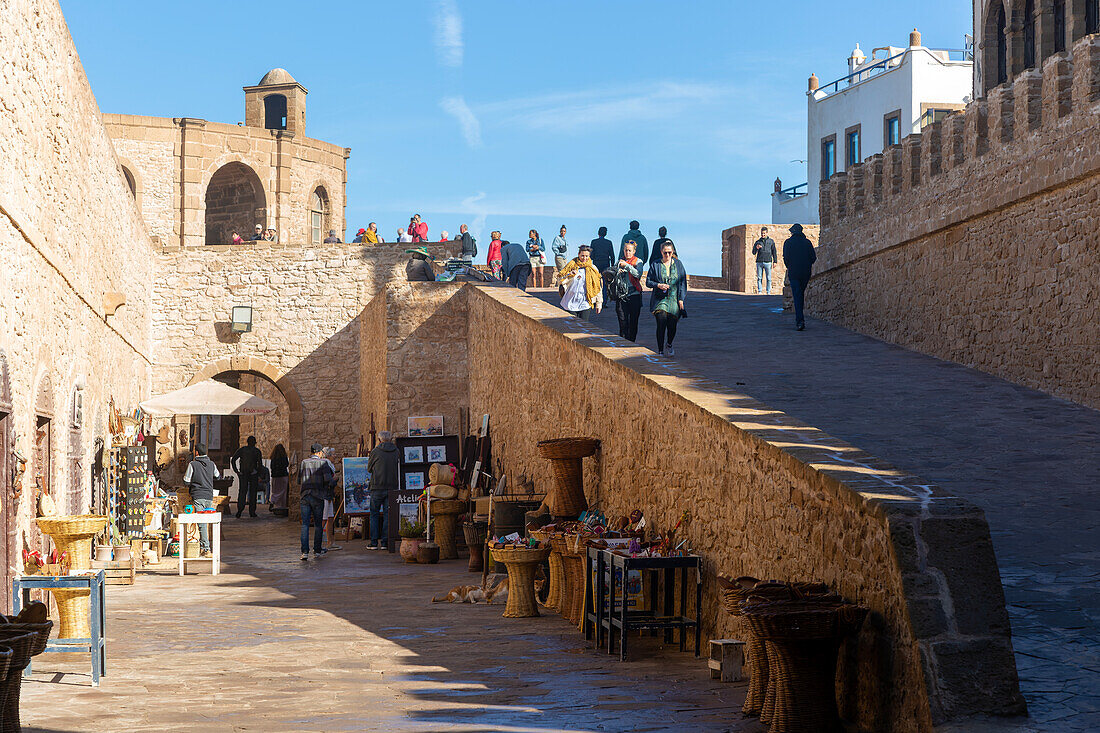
(884, 65)
(794, 191)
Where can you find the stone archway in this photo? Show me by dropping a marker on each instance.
(235, 201)
(261, 368)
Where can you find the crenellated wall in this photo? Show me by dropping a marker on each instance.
(977, 240)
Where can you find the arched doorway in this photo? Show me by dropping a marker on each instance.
(261, 378)
(235, 201)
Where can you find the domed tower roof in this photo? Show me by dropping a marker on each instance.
(277, 76)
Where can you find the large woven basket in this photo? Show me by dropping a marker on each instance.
(40, 630)
(519, 554)
(793, 620)
(73, 535)
(568, 448)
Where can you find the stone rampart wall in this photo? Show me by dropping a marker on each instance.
(977, 241)
(69, 236)
(768, 496)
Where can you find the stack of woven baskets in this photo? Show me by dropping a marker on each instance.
(795, 632)
(567, 499)
(21, 637)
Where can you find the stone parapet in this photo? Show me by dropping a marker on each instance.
(975, 248)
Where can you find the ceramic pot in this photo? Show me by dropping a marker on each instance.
(103, 553)
(122, 553)
(409, 548)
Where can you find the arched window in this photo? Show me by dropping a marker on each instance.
(318, 215)
(1059, 23)
(235, 202)
(1029, 34)
(1002, 45)
(275, 112)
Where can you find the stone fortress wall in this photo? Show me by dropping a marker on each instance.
(739, 263)
(195, 180)
(768, 496)
(977, 241)
(75, 270)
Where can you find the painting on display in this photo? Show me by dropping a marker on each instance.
(414, 481)
(437, 453)
(414, 454)
(424, 426)
(356, 486)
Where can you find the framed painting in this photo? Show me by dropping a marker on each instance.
(425, 425)
(437, 453)
(356, 486)
(414, 454)
(414, 481)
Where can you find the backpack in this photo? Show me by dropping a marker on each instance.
(618, 286)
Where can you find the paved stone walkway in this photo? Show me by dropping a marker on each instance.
(350, 642)
(1031, 461)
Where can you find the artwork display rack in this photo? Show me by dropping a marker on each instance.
(405, 501)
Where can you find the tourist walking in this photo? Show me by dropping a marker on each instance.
(332, 238)
(280, 480)
(494, 260)
(316, 479)
(766, 256)
(382, 465)
(515, 264)
(799, 258)
(628, 291)
(418, 269)
(659, 243)
(536, 254)
(603, 253)
(329, 514)
(559, 247)
(635, 235)
(581, 285)
(668, 279)
(372, 236)
(199, 480)
(469, 244)
(246, 464)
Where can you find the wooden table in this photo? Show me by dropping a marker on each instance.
(96, 643)
(214, 519)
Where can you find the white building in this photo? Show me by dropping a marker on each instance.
(894, 93)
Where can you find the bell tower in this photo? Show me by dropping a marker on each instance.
(278, 102)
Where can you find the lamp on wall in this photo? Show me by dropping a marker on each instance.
(242, 319)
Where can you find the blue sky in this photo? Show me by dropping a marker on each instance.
(518, 115)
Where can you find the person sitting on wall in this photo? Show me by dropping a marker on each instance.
(332, 238)
(418, 268)
(515, 264)
(799, 258)
(359, 236)
(259, 234)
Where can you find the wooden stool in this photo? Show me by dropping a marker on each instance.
(522, 564)
(727, 657)
(444, 516)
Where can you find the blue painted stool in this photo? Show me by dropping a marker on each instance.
(97, 615)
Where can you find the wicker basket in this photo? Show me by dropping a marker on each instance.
(22, 646)
(475, 542)
(793, 620)
(563, 448)
(40, 630)
(522, 563)
(73, 535)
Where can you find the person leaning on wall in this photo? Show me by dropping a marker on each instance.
(418, 268)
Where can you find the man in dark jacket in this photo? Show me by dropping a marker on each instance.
(199, 480)
(766, 256)
(246, 463)
(515, 264)
(635, 235)
(382, 465)
(469, 244)
(316, 478)
(418, 268)
(799, 258)
(603, 252)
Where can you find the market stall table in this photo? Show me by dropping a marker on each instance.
(214, 519)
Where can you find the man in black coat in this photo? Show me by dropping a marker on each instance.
(385, 476)
(799, 258)
(603, 252)
(246, 463)
(766, 256)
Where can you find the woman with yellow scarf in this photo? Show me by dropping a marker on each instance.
(581, 286)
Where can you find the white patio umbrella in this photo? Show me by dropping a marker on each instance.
(209, 397)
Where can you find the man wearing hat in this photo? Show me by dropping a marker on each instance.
(359, 236)
(332, 238)
(316, 478)
(418, 268)
(799, 258)
(258, 234)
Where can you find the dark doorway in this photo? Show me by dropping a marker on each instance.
(1029, 34)
(275, 112)
(234, 203)
(1002, 46)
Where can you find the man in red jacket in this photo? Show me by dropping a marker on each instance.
(418, 230)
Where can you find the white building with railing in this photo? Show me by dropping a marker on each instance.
(894, 93)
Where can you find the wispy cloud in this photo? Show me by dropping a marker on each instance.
(467, 120)
(570, 112)
(448, 33)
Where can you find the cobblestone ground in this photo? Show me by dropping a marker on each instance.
(350, 642)
(1030, 461)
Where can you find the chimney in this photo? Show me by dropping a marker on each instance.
(814, 83)
(914, 38)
